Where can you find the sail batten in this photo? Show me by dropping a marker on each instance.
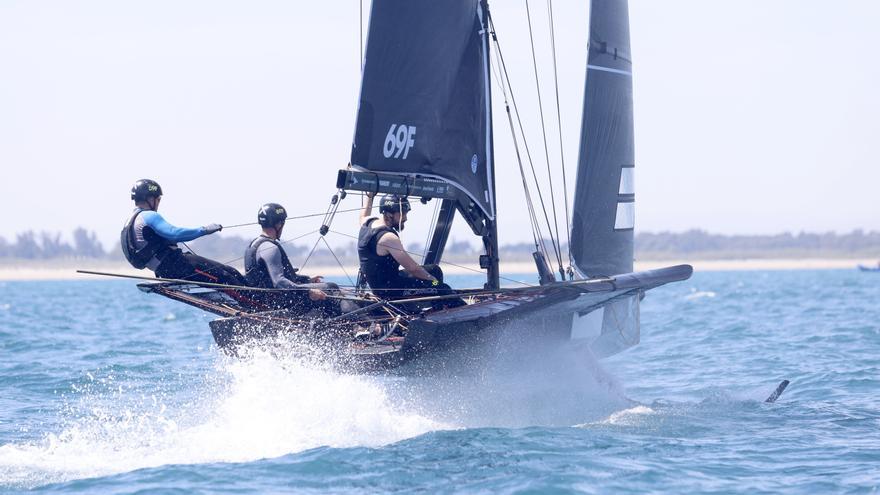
(425, 106)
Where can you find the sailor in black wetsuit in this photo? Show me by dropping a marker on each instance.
(148, 241)
(267, 266)
(382, 255)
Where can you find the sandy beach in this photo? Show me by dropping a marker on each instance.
(67, 269)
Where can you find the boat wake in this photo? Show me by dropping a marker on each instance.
(552, 386)
(245, 410)
(269, 405)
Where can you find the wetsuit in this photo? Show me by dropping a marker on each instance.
(148, 241)
(384, 275)
(267, 266)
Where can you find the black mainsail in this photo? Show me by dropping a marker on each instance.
(603, 212)
(424, 125)
(424, 105)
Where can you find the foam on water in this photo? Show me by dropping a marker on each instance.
(628, 416)
(699, 294)
(258, 408)
(269, 405)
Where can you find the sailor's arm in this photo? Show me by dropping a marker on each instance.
(175, 234)
(367, 211)
(392, 244)
(271, 256)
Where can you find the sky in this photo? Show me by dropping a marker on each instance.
(751, 116)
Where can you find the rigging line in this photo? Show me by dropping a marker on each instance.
(559, 127)
(503, 68)
(431, 227)
(242, 257)
(330, 211)
(311, 252)
(296, 217)
(239, 225)
(448, 263)
(361, 35)
(242, 288)
(532, 219)
(280, 242)
(522, 132)
(337, 260)
(558, 251)
(190, 249)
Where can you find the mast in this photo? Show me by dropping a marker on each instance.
(604, 203)
(490, 260)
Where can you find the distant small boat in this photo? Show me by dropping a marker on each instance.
(866, 268)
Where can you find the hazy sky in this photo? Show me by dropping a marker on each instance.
(752, 116)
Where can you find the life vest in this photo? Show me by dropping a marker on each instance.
(255, 271)
(381, 271)
(156, 247)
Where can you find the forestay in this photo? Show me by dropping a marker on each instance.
(425, 105)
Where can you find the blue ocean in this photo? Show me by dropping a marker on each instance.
(104, 389)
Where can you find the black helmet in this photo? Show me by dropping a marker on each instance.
(271, 214)
(392, 203)
(145, 188)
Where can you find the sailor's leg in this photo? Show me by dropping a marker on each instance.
(336, 307)
(328, 307)
(435, 271)
(442, 289)
(213, 271)
(175, 265)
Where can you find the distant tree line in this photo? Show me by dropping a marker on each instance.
(693, 244)
(47, 245)
(699, 244)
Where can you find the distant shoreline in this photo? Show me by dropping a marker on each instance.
(66, 270)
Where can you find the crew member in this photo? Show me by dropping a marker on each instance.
(267, 266)
(148, 241)
(382, 255)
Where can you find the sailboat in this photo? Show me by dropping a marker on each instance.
(424, 130)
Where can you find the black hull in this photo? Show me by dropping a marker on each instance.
(451, 341)
(428, 348)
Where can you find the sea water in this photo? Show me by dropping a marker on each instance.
(104, 389)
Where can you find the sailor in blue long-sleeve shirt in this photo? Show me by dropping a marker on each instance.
(148, 241)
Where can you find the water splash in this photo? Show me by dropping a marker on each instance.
(552, 385)
(270, 404)
(702, 294)
(247, 410)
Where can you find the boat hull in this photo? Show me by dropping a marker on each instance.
(461, 339)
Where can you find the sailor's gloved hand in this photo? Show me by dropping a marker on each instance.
(213, 227)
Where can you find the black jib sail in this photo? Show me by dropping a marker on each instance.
(604, 204)
(425, 105)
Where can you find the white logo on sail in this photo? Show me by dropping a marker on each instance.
(399, 140)
(474, 162)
